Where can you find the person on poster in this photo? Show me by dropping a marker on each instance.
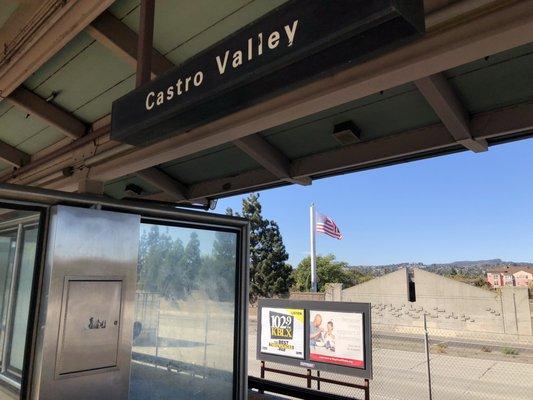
(316, 330)
(329, 337)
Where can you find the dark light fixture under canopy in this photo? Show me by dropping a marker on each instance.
(347, 133)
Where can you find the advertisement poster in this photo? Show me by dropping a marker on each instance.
(282, 332)
(336, 338)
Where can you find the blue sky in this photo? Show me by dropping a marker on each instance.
(463, 206)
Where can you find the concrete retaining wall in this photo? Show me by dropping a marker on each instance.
(306, 296)
(450, 305)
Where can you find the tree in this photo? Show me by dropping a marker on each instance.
(173, 277)
(328, 271)
(191, 262)
(165, 266)
(217, 274)
(269, 272)
(160, 262)
(152, 254)
(357, 276)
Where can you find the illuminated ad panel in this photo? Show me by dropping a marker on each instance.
(336, 338)
(283, 332)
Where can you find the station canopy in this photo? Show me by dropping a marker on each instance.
(465, 85)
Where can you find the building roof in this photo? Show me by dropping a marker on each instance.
(511, 269)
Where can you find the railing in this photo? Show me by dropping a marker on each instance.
(264, 385)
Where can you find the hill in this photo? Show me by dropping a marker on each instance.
(474, 270)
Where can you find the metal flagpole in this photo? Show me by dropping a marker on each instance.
(312, 232)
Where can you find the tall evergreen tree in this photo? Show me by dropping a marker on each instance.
(218, 270)
(173, 282)
(269, 272)
(162, 265)
(191, 262)
(152, 255)
(141, 263)
(225, 253)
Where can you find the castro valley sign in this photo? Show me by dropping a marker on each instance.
(294, 44)
(254, 47)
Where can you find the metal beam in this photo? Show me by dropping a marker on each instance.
(91, 187)
(359, 155)
(166, 198)
(48, 112)
(122, 41)
(35, 45)
(467, 40)
(442, 98)
(497, 125)
(268, 156)
(13, 156)
(244, 182)
(145, 42)
(165, 183)
(401, 147)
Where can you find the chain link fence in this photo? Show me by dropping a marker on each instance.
(479, 366)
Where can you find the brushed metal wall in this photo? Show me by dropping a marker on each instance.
(85, 324)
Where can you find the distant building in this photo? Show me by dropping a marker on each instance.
(510, 276)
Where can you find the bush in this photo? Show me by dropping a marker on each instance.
(441, 347)
(509, 351)
(329, 270)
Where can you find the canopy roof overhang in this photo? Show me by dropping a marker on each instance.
(466, 85)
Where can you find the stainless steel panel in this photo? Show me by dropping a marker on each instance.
(90, 319)
(85, 243)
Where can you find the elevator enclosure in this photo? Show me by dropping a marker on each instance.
(103, 320)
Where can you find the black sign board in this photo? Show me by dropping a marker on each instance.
(322, 335)
(295, 43)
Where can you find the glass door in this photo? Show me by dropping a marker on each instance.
(18, 251)
(185, 330)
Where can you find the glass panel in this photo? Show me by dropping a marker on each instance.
(22, 305)
(8, 241)
(184, 316)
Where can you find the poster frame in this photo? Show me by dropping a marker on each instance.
(307, 306)
(305, 329)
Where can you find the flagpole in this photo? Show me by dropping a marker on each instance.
(312, 217)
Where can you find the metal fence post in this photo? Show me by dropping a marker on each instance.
(426, 342)
(262, 374)
(157, 340)
(206, 327)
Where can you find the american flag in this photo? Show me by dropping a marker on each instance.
(326, 225)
